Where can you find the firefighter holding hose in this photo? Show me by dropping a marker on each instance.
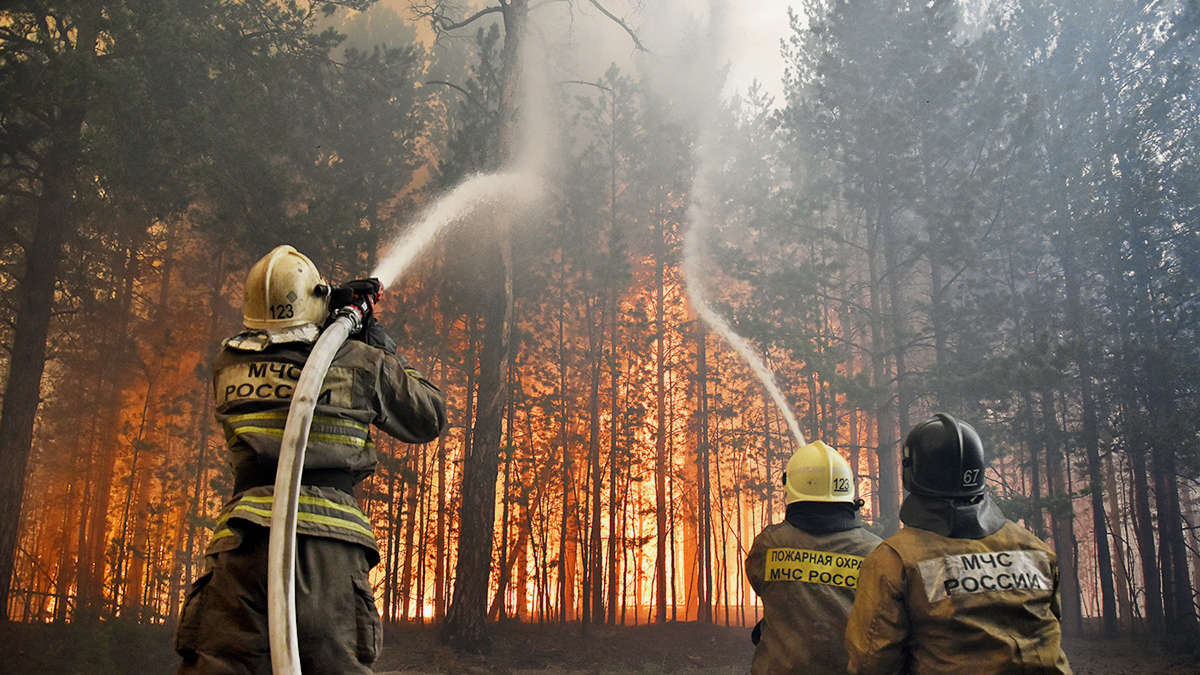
(960, 590)
(223, 627)
(806, 568)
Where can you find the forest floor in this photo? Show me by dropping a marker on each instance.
(117, 648)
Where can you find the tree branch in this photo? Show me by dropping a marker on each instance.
(620, 22)
(442, 24)
(460, 90)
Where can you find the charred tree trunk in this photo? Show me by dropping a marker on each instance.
(565, 580)
(412, 497)
(593, 609)
(613, 447)
(439, 568)
(466, 620)
(704, 563)
(52, 220)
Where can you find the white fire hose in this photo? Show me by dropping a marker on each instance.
(281, 560)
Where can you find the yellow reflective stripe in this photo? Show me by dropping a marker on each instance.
(234, 420)
(309, 500)
(273, 415)
(307, 517)
(321, 437)
(412, 371)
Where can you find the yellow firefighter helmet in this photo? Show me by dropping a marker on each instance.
(282, 291)
(818, 473)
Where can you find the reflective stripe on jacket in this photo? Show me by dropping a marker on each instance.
(933, 605)
(806, 582)
(321, 512)
(364, 386)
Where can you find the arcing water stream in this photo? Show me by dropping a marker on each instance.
(701, 216)
(692, 255)
(499, 195)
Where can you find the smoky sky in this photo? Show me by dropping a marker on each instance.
(584, 43)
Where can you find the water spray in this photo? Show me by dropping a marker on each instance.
(692, 254)
(701, 216)
(500, 192)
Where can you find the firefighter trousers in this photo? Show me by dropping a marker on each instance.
(223, 627)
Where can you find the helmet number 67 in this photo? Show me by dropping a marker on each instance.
(971, 477)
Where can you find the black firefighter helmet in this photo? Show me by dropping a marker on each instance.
(943, 457)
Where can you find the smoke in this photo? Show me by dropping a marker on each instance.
(520, 187)
(701, 212)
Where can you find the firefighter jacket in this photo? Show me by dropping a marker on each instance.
(932, 604)
(254, 377)
(806, 580)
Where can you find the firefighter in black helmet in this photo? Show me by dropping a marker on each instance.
(960, 590)
(223, 627)
(805, 568)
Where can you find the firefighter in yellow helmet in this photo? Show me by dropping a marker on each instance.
(805, 569)
(223, 627)
(960, 590)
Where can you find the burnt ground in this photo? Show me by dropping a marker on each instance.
(116, 648)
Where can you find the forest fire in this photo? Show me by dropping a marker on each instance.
(640, 289)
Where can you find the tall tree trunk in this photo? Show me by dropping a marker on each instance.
(466, 620)
(565, 551)
(497, 609)
(91, 588)
(904, 395)
(886, 497)
(1062, 523)
(1036, 440)
(1178, 602)
(594, 602)
(660, 442)
(1124, 598)
(613, 447)
(1091, 437)
(1144, 525)
(704, 563)
(412, 494)
(439, 566)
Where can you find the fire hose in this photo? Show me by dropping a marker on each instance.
(281, 560)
